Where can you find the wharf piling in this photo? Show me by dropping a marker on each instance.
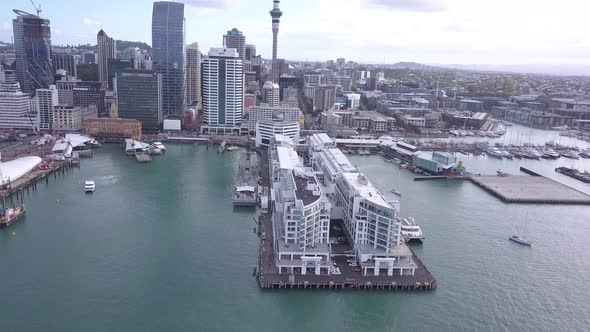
(29, 181)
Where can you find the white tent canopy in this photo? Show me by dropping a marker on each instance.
(15, 169)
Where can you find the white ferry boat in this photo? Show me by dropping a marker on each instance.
(89, 186)
(410, 230)
(160, 146)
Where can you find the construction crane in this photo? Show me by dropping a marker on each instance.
(37, 8)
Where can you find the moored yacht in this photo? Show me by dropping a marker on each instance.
(570, 154)
(531, 153)
(506, 154)
(550, 154)
(494, 152)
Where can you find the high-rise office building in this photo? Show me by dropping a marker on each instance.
(168, 50)
(88, 57)
(65, 90)
(90, 93)
(64, 61)
(8, 76)
(139, 95)
(107, 49)
(286, 81)
(47, 100)
(116, 67)
(236, 39)
(32, 46)
(250, 52)
(15, 108)
(193, 74)
(324, 97)
(276, 14)
(270, 94)
(223, 92)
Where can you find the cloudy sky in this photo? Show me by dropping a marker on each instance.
(383, 31)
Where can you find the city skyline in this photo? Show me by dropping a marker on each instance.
(369, 31)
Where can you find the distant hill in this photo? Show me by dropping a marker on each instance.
(123, 44)
(560, 70)
(409, 65)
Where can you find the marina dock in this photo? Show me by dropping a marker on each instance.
(535, 189)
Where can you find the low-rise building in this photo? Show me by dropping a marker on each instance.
(109, 129)
(15, 108)
(414, 121)
(71, 118)
(267, 129)
(438, 163)
(471, 105)
(537, 119)
(266, 112)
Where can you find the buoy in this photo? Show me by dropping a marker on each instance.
(57, 200)
(13, 233)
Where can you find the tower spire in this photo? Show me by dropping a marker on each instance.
(276, 14)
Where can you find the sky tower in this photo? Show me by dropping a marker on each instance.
(276, 14)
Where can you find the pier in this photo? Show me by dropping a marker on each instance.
(535, 189)
(29, 181)
(269, 278)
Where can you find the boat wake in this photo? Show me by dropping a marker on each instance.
(108, 179)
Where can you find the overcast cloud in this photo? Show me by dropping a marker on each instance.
(426, 31)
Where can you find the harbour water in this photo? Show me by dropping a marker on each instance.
(159, 246)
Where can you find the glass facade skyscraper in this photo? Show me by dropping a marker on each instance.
(168, 50)
(32, 46)
(223, 92)
(139, 93)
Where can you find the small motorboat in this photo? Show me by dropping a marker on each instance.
(520, 240)
(89, 186)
